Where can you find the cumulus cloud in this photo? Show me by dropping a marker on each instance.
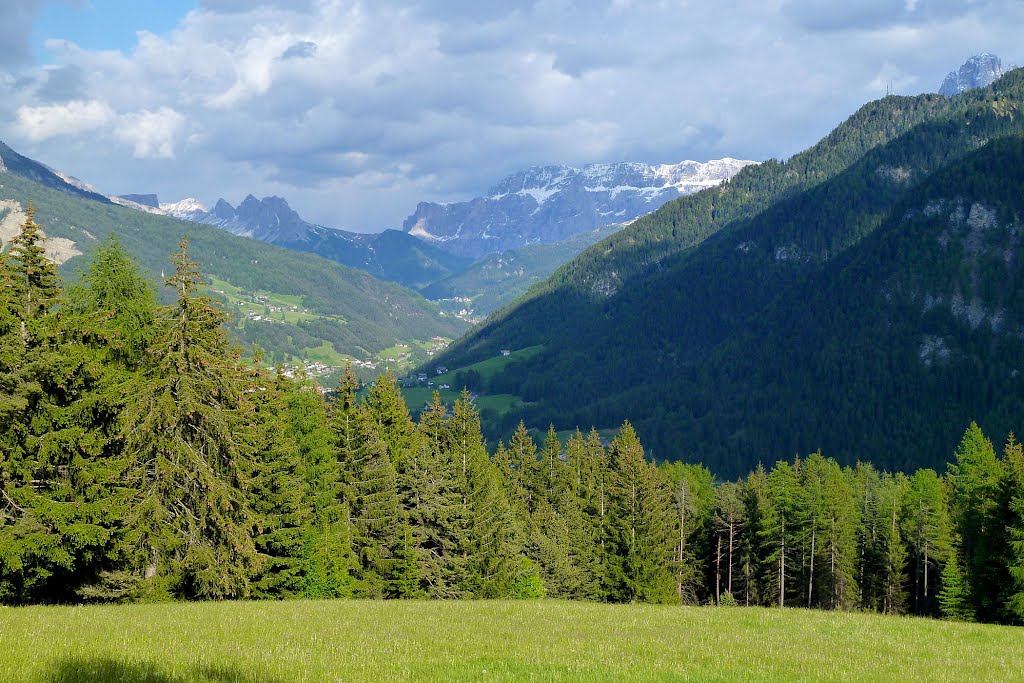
(152, 134)
(71, 118)
(356, 110)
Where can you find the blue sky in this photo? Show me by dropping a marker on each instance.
(105, 24)
(355, 110)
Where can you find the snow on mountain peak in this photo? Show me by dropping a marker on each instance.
(549, 203)
(186, 208)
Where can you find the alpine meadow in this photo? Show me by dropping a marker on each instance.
(633, 355)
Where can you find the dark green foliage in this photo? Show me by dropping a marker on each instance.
(816, 303)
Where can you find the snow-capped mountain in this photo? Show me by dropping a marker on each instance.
(545, 204)
(977, 72)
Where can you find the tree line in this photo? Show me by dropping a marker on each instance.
(141, 460)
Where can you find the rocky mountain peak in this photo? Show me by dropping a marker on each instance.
(545, 204)
(977, 72)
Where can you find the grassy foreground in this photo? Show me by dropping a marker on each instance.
(274, 642)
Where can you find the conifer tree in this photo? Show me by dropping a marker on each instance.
(189, 524)
(839, 538)
(61, 471)
(328, 559)
(693, 496)
(728, 519)
(492, 557)
(954, 597)
(777, 531)
(277, 492)
(641, 525)
(927, 528)
(974, 478)
(439, 511)
(369, 485)
(1012, 502)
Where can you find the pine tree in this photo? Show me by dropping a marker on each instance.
(369, 485)
(641, 525)
(954, 597)
(974, 479)
(189, 521)
(277, 492)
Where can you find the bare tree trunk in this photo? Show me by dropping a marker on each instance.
(810, 582)
(718, 570)
(782, 569)
(732, 529)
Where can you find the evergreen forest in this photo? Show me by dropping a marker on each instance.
(141, 460)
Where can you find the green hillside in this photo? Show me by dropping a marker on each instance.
(496, 280)
(347, 313)
(630, 325)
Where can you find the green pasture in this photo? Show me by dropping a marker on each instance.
(274, 642)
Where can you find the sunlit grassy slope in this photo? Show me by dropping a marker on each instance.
(491, 641)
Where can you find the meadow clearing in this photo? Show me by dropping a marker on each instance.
(275, 642)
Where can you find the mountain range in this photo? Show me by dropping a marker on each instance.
(862, 297)
(390, 255)
(546, 204)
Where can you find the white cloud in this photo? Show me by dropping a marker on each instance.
(152, 134)
(71, 118)
(379, 105)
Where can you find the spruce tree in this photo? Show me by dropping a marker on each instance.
(61, 472)
(641, 525)
(974, 478)
(954, 597)
(369, 485)
(277, 493)
(192, 448)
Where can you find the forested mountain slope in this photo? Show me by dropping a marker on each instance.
(390, 255)
(629, 325)
(496, 280)
(349, 310)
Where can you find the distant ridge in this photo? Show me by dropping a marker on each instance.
(546, 204)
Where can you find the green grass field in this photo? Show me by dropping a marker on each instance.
(274, 642)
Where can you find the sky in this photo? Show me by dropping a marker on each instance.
(355, 111)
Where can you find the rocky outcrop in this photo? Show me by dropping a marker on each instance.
(977, 72)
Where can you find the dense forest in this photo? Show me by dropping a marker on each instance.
(797, 306)
(142, 461)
